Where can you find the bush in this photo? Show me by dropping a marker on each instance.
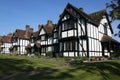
(37, 54)
(115, 55)
(74, 61)
(49, 54)
(14, 53)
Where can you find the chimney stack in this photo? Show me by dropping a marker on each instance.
(27, 27)
(81, 9)
(49, 22)
(27, 30)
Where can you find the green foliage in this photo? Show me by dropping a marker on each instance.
(45, 69)
(75, 60)
(14, 53)
(49, 54)
(114, 12)
(37, 54)
(115, 54)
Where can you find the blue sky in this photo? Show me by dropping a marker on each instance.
(15, 14)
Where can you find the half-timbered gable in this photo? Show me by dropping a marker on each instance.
(81, 34)
(34, 44)
(21, 39)
(73, 32)
(103, 28)
(46, 38)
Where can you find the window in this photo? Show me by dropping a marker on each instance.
(69, 24)
(56, 48)
(70, 46)
(43, 37)
(43, 50)
(32, 40)
(105, 28)
(55, 35)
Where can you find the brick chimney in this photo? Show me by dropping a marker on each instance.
(27, 30)
(49, 22)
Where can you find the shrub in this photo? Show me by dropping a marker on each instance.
(37, 54)
(14, 53)
(74, 60)
(49, 54)
(115, 54)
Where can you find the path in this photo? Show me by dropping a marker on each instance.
(34, 72)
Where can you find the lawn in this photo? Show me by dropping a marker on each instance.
(33, 68)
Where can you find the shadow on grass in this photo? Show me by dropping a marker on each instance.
(103, 69)
(13, 66)
(10, 66)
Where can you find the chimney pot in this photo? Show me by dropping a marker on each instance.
(49, 22)
(27, 27)
(81, 9)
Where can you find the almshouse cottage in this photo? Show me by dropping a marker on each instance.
(20, 39)
(82, 34)
(6, 43)
(76, 34)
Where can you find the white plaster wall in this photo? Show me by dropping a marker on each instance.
(6, 47)
(64, 34)
(79, 27)
(43, 42)
(71, 54)
(42, 32)
(23, 44)
(101, 28)
(67, 16)
(50, 48)
(70, 33)
(109, 32)
(55, 40)
(65, 54)
(32, 44)
(89, 29)
(84, 45)
(50, 41)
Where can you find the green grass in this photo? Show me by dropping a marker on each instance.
(10, 64)
(105, 70)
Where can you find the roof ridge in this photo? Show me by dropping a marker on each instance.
(97, 11)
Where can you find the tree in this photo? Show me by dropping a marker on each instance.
(114, 13)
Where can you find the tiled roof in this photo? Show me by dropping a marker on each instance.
(0, 38)
(97, 16)
(22, 34)
(35, 34)
(83, 14)
(106, 38)
(7, 39)
(48, 27)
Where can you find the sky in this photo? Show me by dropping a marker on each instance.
(15, 14)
